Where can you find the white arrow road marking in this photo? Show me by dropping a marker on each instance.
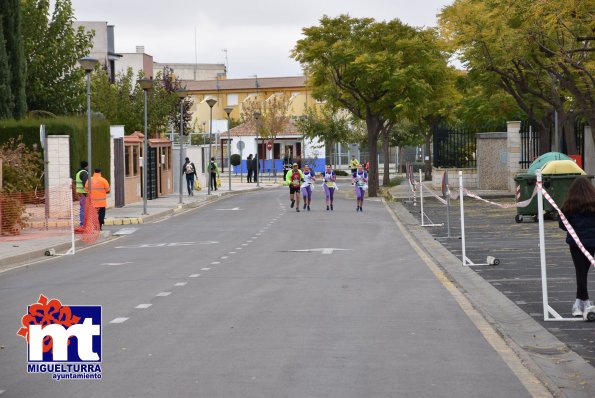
(124, 263)
(143, 306)
(234, 209)
(322, 250)
(119, 320)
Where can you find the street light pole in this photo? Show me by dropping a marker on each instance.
(146, 85)
(88, 64)
(181, 95)
(211, 102)
(256, 115)
(228, 110)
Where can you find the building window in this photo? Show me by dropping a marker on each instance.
(135, 160)
(232, 99)
(127, 160)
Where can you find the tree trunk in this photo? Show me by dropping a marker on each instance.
(374, 126)
(386, 175)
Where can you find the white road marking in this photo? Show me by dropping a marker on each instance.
(119, 320)
(239, 248)
(125, 231)
(180, 284)
(2, 391)
(322, 250)
(124, 263)
(163, 294)
(205, 269)
(224, 257)
(234, 209)
(194, 276)
(232, 252)
(249, 241)
(244, 244)
(254, 237)
(171, 244)
(215, 262)
(143, 306)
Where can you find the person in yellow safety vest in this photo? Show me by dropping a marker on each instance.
(80, 180)
(98, 194)
(353, 163)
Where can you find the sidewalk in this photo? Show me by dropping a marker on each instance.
(32, 246)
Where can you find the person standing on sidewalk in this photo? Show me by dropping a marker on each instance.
(98, 194)
(250, 166)
(294, 179)
(309, 179)
(330, 184)
(214, 174)
(190, 171)
(81, 179)
(255, 168)
(579, 209)
(360, 182)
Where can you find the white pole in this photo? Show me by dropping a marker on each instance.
(421, 198)
(542, 248)
(461, 195)
(73, 247)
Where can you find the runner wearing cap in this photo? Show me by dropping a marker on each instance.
(294, 179)
(309, 178)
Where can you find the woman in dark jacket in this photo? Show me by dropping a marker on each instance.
(579, 209)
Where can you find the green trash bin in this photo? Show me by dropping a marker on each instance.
(525, 185)
(557, 185)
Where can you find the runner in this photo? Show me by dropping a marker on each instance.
(294, 179)
(329, 185)
(307, 186)
(360, 182)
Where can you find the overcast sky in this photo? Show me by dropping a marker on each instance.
(257, 34)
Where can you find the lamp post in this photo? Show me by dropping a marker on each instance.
(88, 64)
(211, 102)
(182, 95)
(256, 115)
(146, 85)
(228, 110)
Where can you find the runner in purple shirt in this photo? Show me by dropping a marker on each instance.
(360, 184)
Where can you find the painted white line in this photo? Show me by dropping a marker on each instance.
(119, 320)
(125, 231)
(232, 252)
(2, 391)
(143, 306)
(163, 294)
(124, 263)
(239, 248)
(205, 269)
(244, 244)
(215, 262)
(180, 284)
(254, 237)
(249, 241)
(224, 257)
(194, 276)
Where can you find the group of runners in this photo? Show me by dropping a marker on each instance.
(301, 183)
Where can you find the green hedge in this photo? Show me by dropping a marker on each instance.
(75, 127)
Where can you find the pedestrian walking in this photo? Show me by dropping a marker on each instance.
(308, 186)
(250, 166)
(329, 185)
(190, 171)
(360, 182)
(98, 194)
(294, 179)
(579, 209)
(213, 174)
(255, 168)
(81, 178)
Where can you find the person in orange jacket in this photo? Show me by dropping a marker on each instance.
(98, 194)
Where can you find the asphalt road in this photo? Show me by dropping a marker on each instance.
(247, 298)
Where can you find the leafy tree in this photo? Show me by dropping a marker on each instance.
(52, 47)
(375, 70)
(22, 167)
(10, 19)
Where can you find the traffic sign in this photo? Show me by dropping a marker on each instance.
(240, 145)
(269, 145)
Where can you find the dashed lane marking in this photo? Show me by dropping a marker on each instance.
(163, 294)
(224, 257)
(119, 320)
(194, 276)
(143, 306)
(232, 252)
(205, 269)
(179, 284)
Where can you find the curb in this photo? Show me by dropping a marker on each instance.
(561, 370)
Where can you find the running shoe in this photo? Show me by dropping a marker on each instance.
(304, 206)
(327, 208)
(297, 209)
(308, 207)
(361, 209)
(292, 203)
(576, 309)
(331, 206)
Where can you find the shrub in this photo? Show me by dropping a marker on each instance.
(235, 159)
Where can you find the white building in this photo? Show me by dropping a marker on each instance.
(137, 61)
(103, 44)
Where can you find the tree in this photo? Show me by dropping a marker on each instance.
(332, 126)
(372, 69)
(52, 47)
(6, 98)
(10, 19)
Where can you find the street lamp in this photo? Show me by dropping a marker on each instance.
(228, 110)
(146, 85)
(181, 94)
(211, 102)
(88, 64)
(256, 115)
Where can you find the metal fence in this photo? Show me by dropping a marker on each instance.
(454, 147)
(529, 144)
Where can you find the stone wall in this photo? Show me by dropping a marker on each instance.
(492, 161)
(470, 178)
(58, 152)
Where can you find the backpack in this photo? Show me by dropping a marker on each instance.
(295, 178)
(213, 167)
(189, 168)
